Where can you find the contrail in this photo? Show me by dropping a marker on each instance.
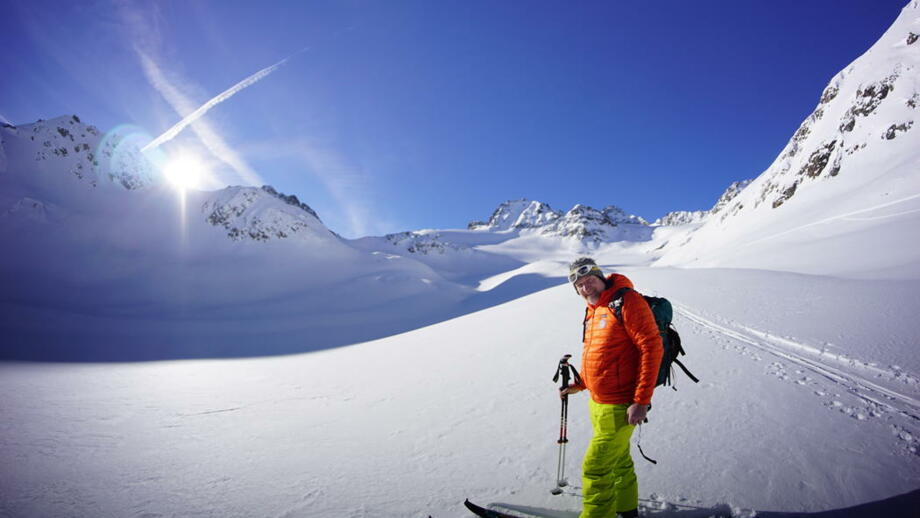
(223, 96)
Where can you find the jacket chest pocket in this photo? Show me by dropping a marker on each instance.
(602, 327)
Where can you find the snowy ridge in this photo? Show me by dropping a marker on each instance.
(261, 214)
(290, 199)
(683, 217)
(730, 194)
(589, 225)
(422, 243)
(516, 215)
(66, 145)
(581, 223)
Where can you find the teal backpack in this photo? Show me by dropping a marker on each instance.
(663, 312)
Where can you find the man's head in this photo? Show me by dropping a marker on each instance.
(587, 278)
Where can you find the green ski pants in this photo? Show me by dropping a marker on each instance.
(608, 476)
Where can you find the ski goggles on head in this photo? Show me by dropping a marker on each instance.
(581, 271)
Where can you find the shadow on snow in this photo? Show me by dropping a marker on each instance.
(900, 506)
(268, 328)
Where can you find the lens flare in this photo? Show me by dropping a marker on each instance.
(118, 157)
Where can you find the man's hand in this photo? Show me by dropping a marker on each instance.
(568, 390)
(635, 414)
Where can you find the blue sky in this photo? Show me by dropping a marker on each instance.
(390, 116)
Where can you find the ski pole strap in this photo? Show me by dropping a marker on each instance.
(560, 368)
(644, 456)
(577, 377)
(639, 445)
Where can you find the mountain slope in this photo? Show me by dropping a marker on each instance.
(848, 176)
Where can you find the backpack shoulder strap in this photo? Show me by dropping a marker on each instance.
(616, 303)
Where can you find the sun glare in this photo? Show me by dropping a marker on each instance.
(184, 172)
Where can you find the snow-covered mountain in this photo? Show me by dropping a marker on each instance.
(39, 153)
(581, 223)
(851, 172)
(684, 217)
(588, 225)
(681, 217)
(516, 215)
(251, 213)
(728, 196)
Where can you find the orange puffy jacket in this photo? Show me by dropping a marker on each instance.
(620, 360)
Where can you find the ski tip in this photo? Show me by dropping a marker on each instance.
(482, 511)
(487, 513)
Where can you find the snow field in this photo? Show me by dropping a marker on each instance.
(412, 424)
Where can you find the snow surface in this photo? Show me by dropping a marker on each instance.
(790, 414)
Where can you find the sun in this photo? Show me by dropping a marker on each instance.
(184, 172)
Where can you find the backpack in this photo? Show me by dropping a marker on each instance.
(670, 340)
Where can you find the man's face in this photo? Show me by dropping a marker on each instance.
(590, 287)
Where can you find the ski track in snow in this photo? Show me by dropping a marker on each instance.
(849, 216)
(824, 373)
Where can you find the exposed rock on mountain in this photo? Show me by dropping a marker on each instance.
(66, 144)
(858, 107)
(518, 214)
(422, 242)
(290, 199)
(683, 217)
(262, 214)
(581, 222)
(728, 196)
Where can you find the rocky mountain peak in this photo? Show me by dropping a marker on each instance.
(290, 199)
(518, 214)
(262, 214)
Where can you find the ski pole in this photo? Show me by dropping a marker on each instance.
(565, 371)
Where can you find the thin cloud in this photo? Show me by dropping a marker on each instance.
(344, 182)
(142, 23)
(347, 183)
(182, 104)
(198, 113)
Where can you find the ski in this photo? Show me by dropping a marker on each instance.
(486, 513)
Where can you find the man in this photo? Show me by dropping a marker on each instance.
(619, 366)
